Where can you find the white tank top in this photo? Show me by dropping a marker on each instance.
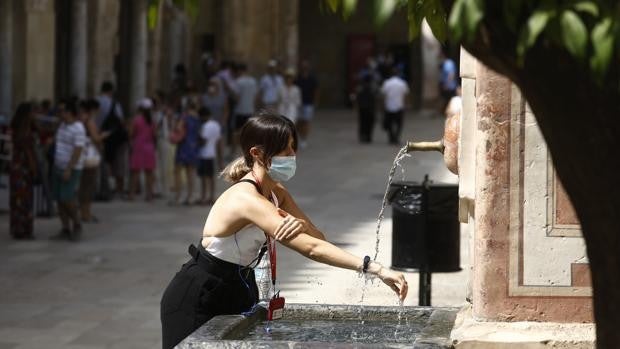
(241, 247)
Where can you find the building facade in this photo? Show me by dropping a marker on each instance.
(55, 48)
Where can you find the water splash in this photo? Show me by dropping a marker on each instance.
(402, 153)
(401, 309)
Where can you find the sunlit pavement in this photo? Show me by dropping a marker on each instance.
(104, 291)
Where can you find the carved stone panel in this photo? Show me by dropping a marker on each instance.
(547, 252)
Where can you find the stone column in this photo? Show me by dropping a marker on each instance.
(103, 42)
(256, 31)
(139, 50)
(156, 52)
(79, 48)
(177, 32)
(6, 43)
(290, 32)
(33, 77)
(467, 154)
(430, 59)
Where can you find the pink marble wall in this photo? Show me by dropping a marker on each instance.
(499, 291)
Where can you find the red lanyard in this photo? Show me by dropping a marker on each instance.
(272, 258)
(271, 245)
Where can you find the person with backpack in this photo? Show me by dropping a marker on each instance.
(115, 149)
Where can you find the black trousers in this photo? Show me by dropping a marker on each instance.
(393, 124)
(204, 287)
(366, 124)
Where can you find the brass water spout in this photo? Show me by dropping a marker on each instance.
(426, 146)
(447, 145)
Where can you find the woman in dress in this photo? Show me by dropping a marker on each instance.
(186, 156)
(22, 172)
(142, 133)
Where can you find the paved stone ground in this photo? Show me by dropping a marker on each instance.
(104, 291)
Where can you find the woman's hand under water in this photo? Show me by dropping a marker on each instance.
(394, 279)
(290, 226)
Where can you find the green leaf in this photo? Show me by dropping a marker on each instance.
(384, 9)
(532, 29)
(587, 7)
(574, 34)
(192, 8)
(348, 7)
(603, 47)
(512, 10)
(152, 14)
(455, 19)
(436, 18)
(465, 18)
(333, 5)
(415, 15)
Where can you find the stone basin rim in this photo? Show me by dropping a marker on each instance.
(224, 331)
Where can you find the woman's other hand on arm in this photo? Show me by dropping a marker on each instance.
(290, 226)
(289, 205)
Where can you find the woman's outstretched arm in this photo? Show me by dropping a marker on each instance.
(261, 212)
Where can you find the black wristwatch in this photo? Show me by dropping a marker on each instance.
(366, 264)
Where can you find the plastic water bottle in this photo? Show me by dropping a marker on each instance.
(263, 280)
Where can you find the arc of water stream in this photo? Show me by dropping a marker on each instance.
(402, 153)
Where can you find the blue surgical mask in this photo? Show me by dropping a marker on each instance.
(282, 168)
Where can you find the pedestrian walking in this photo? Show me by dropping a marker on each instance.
(364, 101)
(394, 91)
(215, 100)
(269, 86)
(68, 163)
(455, 105)
(89, 110)
(210, 152)
(186, 156)
(143, 132)
(309, 86)
(116, 148)
(289, 97)
(448, 78)
(254, 212)
(246, 95)
(22, 172)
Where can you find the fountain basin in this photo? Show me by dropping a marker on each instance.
(333, 326)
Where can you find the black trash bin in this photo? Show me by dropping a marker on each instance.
(425, 227)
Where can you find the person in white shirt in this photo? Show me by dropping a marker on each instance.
(269, 86)
(394, 91)
(455, 105)
(210, 151)
(246, 92)
(290, 97)
(68, 164)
